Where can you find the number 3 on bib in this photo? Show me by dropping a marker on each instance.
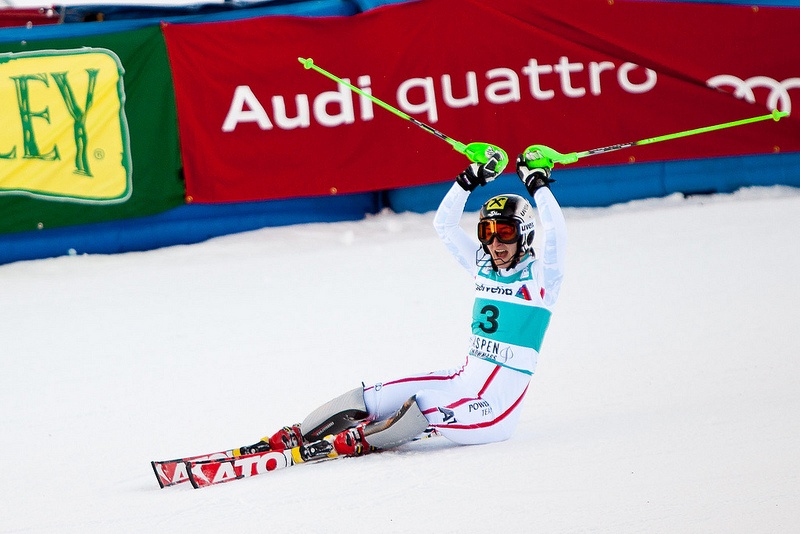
(490, 314)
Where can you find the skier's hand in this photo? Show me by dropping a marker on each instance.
(534, 179)
(476, 175)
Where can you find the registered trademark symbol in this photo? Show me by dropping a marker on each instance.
(99, 153)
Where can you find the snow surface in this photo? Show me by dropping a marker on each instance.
(666, 397)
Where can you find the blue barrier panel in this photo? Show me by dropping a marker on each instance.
(322, 8)
(614, 184)
(107, 12)
(365, 5)
(575, 187)
(183, 225)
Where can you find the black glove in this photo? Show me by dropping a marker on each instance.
(534, 179)
(476, 175)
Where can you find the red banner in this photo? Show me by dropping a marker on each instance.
(573, 75)
(28, 16)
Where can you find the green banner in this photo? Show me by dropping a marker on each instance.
(89, 131)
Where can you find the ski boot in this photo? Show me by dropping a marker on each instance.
(352, 442)
(287, 437)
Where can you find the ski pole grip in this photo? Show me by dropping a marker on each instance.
(481, 152)
(539, 156)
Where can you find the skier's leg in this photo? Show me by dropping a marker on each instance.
(384, 399)
(375, 403)
(341, 413)
(489, 415)
(402, 427)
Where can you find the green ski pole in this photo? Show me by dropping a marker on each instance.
(544, 156)
(476, 152)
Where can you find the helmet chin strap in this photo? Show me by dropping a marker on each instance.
(518, 255)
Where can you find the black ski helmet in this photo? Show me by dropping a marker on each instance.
(515, 210)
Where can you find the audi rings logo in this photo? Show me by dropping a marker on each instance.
(778, 98)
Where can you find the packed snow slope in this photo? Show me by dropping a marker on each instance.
(666, 397)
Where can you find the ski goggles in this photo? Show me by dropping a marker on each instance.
(505, 231)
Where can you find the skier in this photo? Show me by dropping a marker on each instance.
(515, 292)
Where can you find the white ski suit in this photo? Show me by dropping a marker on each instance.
(479, 402)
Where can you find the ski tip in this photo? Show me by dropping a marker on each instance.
(192, 480)
(158, 477)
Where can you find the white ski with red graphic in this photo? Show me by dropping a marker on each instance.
(172, 472)
(202, 473)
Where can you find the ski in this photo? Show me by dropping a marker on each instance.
(173, 472)
(233, 464)
(210, 471)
